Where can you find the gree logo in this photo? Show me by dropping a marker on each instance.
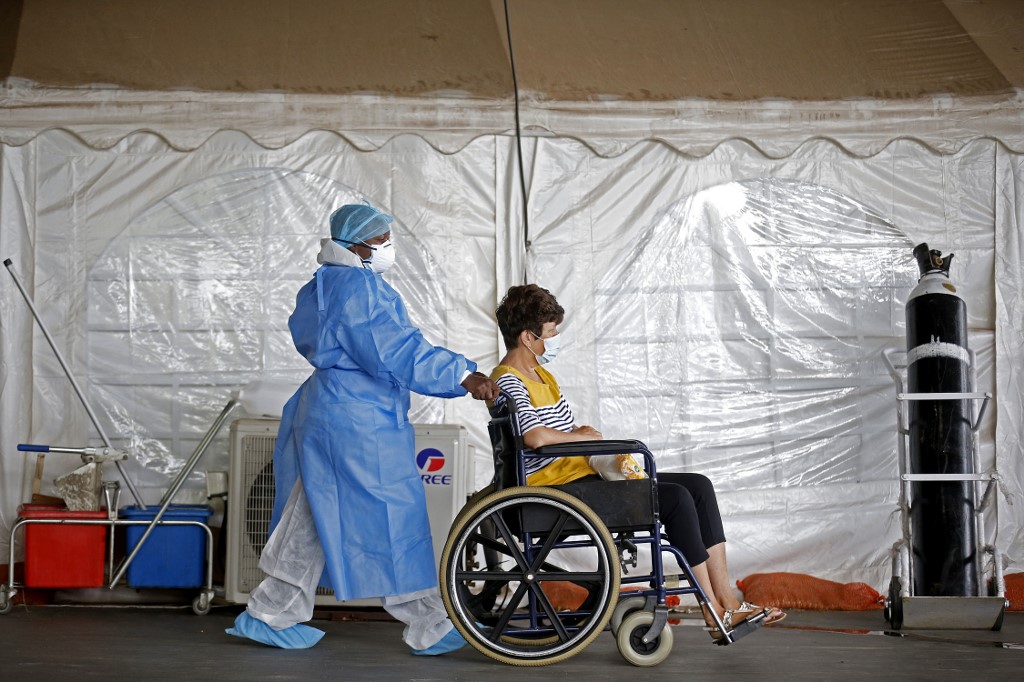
(430, 460)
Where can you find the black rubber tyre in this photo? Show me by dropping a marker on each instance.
(894, 604)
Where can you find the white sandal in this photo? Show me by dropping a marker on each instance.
(716, 634)
(772, 614)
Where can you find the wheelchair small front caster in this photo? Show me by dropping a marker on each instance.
(630, 640)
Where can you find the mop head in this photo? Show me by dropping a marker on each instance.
(80, 488)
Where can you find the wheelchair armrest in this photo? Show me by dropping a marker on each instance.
(592, 447)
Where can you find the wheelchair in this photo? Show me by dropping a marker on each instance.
(513, 546)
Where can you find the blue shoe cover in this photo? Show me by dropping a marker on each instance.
(453, 641)
(296, 637)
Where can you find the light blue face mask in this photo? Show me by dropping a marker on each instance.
(551, 348)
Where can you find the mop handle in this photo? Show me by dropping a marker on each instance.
(88, 455)
(71, 378)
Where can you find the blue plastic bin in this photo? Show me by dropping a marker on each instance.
(172, 556)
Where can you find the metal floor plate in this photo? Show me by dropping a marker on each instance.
(952, 613)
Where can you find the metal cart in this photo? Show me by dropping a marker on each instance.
(201, 604)
(902, 607)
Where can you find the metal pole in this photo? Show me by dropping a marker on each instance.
(74, 384)
(186, 470)
(175, 486)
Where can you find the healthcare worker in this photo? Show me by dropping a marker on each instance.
(348, 492)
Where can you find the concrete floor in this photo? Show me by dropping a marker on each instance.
(90, 642)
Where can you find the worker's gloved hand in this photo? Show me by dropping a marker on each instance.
(480, 387)
(296, 637)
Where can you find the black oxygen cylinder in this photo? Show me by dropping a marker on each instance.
(942, 513)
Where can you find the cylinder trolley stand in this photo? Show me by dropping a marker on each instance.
(940, 576)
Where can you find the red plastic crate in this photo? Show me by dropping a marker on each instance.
(59, 555)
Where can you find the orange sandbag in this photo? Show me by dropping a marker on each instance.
(800, 591)
(1015, 591)
(564, 596)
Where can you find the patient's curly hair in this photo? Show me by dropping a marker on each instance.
(526, 307)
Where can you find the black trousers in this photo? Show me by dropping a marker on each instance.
(689, 513)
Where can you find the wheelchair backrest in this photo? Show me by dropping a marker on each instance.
(506, 441)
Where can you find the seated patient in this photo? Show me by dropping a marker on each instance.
(528, 318)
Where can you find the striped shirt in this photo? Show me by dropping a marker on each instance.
(541, 403)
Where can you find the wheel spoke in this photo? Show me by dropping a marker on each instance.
(549, 609)
(510, 542)
(506, 613)
(490, 576)
(552, 538)
(571, 577)
(490, 543)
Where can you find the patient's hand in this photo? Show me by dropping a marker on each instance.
(589, 432)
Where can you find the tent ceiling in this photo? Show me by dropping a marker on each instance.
(585, 68)
(564, 49)
(402, 47)
(747, 50)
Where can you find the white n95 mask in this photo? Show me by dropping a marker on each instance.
(382, 258)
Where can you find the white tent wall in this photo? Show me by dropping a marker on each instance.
(145, 262)
(1008, 198)
(820, 503)
(17, 221)
(600, 229)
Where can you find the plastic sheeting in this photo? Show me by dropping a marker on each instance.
(173, 277)
(730, 310)
(194, 297)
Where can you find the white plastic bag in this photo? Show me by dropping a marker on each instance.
(617, 467)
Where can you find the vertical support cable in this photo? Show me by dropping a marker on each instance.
(519, 139)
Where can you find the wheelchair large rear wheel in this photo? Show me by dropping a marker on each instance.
(507, 606)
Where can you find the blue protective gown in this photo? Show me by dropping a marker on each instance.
(345, 432)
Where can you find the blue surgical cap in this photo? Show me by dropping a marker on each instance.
(355, 223)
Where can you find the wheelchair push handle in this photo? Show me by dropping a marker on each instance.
(510, 401)
(30, 447)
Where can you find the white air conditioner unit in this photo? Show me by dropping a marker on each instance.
(444, 457)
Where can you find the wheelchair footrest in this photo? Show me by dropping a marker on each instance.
(742, 630)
